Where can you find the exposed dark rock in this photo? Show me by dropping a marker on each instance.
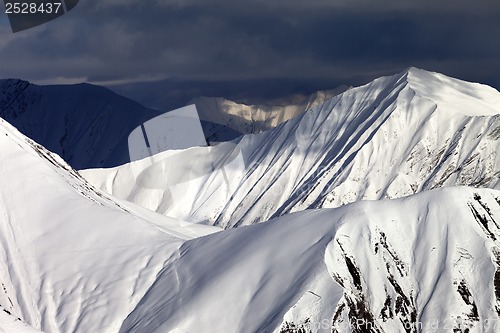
(386, 311)
(482, 220)
(464, 291)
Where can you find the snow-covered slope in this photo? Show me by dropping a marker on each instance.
(72, 259)
(392, 265)
(87, 125)
(393, 137)
(9, 323)
(251, 119)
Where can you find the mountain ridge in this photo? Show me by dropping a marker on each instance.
(75, 259)
(380, 140)
(488, 96)
(71, 257)
(80, 261)
(373, 250)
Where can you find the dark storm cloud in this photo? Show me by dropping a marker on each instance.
(188, 48)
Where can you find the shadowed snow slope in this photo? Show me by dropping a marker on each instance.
(87, 125)
(393, 137)
(72, 259)
(391, 265)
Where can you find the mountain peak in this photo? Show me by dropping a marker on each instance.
(389, 138)
(458, 96)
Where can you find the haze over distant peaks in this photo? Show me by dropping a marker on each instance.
(252, 119)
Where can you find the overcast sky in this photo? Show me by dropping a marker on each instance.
(164, 52)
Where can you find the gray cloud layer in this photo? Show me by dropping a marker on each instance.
(184, 48)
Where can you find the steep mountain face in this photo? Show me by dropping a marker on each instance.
(393, 137)
(252, 119)
(88, 126)
(74, 259)
(71, 258)
(428, 261)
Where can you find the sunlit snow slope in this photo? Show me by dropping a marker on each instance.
(393, 137)
(72, 259)
(75, 260)
(394, 266)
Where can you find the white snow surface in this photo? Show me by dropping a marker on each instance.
(391, 264)
(393, 137)
(73, 259)
(10, 324)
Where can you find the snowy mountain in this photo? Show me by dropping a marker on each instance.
(71, 258)
(429, 261)
(393, 137)
(75, 259)
(252, 119)
(87, 125)
(79, 261)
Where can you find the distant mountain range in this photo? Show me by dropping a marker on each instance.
(253, 119)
